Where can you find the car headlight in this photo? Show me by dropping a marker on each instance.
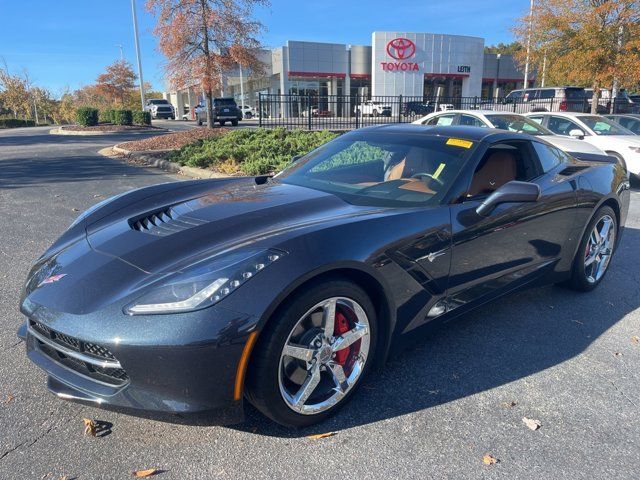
(204, 283)
(635, 149)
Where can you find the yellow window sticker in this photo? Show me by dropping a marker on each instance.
(438, 171)
(457, 142)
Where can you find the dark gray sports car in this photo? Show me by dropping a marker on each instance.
(193, 296)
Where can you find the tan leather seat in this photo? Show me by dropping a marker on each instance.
(500, 168)
(417, 160)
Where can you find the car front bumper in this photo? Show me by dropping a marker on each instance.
(188, 366)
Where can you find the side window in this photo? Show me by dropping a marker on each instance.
(562, 126)
(537, 119)
(441, 120)
(550, 157)
(503, 163)
(470, 121)
(547, 94)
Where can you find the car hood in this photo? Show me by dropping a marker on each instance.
(167, 231)
(572, 144)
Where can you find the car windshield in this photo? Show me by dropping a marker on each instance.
(518, 123)
(386, 169)
(574, 93)
(603, 126)
(158, 102)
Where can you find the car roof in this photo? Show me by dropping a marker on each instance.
(476, 134)
(563, 114)
(474, 112)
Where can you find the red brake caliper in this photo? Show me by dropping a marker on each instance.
(341, 326)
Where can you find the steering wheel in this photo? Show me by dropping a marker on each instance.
(420, 175)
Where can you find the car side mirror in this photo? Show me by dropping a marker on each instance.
(577, 133)
(513, 191)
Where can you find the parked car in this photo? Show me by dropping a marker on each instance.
(160, 108)
(193, 296)
(317, 112)
(605, 134)
(412, 109)
(372, 108)
(629, 121)
(247, 111)
(224, 110)
(622, 104)
(511, 122)
(551, 99)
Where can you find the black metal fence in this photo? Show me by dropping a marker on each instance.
(344, 112)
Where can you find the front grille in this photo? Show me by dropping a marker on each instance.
(92, 355)
(164, 222)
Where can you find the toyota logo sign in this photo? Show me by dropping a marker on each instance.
(401, 48)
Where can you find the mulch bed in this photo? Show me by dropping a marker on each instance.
(108, 128)
(172, 141)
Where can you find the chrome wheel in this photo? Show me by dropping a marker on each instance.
(599, 249)
(324, 355)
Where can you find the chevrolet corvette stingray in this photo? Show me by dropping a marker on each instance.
(284, 290)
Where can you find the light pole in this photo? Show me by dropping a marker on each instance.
(121, 52)
(526, 66)
(135, 32)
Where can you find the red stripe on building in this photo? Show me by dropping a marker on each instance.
(317, 74)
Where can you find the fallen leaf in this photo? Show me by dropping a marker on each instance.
(9, 399)
(90, 427)
(66, 477)
(489, 460)
(617, 354)
(510, 404)
(97, 195)
(45, 476)
(145, 473)
(531, 423)
(75, 209)
(635, 339)
(321, 435)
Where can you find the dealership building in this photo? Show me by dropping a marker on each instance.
(421, 65)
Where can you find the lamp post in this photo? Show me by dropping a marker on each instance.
(526, 65)
(135, 32)
(496, 89)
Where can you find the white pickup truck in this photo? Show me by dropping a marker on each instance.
(374, 108)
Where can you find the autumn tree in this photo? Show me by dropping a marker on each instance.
(15, 95)
(593, 43)
(116, 83)
(202, 39)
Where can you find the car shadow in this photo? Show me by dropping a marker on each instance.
(515, 337)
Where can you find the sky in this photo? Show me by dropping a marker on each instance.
(67, 43)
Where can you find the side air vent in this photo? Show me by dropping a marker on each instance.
(572, 170)
(164, 222)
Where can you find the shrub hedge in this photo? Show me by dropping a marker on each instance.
(251, 152)
(106, 116)
(16, 123)
(141, 118)
(87, 116)
(122, 117)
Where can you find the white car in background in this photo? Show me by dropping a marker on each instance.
(598, 131)
(511, 122)
(247, 111)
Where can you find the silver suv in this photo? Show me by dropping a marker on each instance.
(548, 99)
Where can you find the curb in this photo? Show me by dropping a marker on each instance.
(80, 133)
(172, 167)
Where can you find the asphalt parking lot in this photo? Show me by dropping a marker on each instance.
(566, 359)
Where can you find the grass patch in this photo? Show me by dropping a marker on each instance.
(249, 151)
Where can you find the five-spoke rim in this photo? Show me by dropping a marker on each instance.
(599, 249)
(324, 355)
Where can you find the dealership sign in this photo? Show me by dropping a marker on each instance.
(400, 49)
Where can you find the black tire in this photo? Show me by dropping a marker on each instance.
(234, 123)
(375, 113)
(199, 122)
(578, 279)
(262, 387)
(222, 122)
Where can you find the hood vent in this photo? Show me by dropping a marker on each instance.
(164, 222)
